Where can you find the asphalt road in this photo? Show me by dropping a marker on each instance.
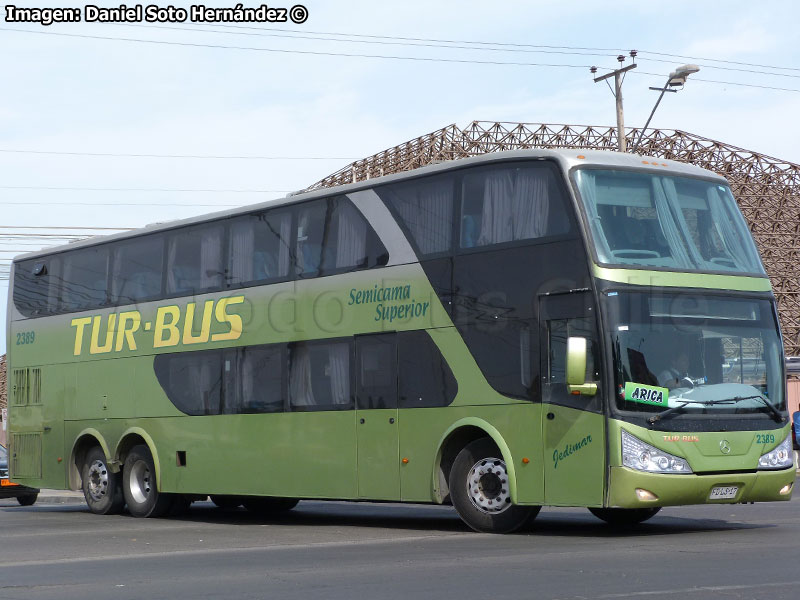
(389, 551)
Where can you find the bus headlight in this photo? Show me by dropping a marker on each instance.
(644, 457)
(779, 458)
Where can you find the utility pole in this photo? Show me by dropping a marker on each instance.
(619, 77)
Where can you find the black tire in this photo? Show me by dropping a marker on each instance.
(480, 492)
(227, 502)
(268, 505)
(27, 499)
(624, 517)
(139, 485)
(102, 489)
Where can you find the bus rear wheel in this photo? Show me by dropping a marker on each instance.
(226, 502)
(268, 505)
(27, 499)
(624, 517)
(102, 489)
(139, 485)
(480, 491)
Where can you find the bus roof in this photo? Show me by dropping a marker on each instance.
(566, 158)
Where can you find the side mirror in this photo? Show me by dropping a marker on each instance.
(576, 368)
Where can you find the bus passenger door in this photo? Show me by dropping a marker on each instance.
(376, 417)
(573, 426)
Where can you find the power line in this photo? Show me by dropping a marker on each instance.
(307, 52)
(485, 43)
(62, 227)
(71, 204)
(379, 56)
(192, 156)
(437, 44)
(751, 85)
(121, 189)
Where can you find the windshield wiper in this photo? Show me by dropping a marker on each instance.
(674, 409)
(774, 413)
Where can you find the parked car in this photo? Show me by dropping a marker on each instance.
(24, 495)
(793, 366)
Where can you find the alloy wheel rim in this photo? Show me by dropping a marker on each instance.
(487, 486)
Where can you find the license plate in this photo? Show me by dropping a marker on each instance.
(6, 483)
(723, 492)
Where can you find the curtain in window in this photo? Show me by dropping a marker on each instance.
(427, 210)
(339, 363)
(210, 258)
(587, 183)
(662, 189)
(530, 204)
(241, 248)
(284, 250)
(176, 277)
(300, 389)
(351, 244)
(497, 224)
(727, 233)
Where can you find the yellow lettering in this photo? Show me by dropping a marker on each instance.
(205, 325)
(125, 333)
(95, 347)
(170, 327)
(79, 325)
(235, 321)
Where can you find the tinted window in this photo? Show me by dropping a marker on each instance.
(425, 208)
(425, 378)
(377, 371)
(319, 376)
(194, 260)
(192, 380)
(254, 379)
(36, 286)
(136, 270)
(333, 236)
(506, 352)
(260, 247)
(84, 279)
(510, 204)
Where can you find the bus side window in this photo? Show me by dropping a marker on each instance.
(254, 381)
(85, 279)
(259, 248)
(425, 210)
(507, 204)
(319, 376)
(377, 371)
(136, 270)
(192, 380)
(194, 260)
(425, 377)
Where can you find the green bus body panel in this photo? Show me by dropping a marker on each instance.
(378, 447)
(574, 450)
(703, 453)
(686, 280)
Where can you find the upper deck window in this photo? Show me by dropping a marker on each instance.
(511, 204)
(648, 219)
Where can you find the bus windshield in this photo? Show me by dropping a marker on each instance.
(715, 355)
(655, 220)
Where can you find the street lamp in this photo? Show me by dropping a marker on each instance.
(676, 79)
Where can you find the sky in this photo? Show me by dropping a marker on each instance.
(107, 125)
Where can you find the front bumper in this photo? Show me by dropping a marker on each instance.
(674, 490)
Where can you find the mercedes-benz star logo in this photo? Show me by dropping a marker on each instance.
(725, 446)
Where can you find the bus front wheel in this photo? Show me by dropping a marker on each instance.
(480, 491)
(139, 485)
(102, 489)
(624, 517)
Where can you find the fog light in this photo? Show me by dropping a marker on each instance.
(787, 489)
(645, 495)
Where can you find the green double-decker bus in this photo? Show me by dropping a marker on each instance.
(504, 332)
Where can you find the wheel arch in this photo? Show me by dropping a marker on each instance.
(135, 436)
(85, 440)
(457, 436)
